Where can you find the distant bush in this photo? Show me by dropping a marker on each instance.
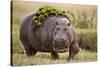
(83, 19)
(87, 40)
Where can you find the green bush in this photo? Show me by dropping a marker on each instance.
(83, 19)
(87, 39)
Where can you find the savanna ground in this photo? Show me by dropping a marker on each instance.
(84, 20)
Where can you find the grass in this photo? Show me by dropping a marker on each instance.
(45, 58)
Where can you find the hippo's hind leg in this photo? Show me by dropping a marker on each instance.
(73, 50)
(30, 51)
(54, 55)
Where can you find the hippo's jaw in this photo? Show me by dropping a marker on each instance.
(60, 47)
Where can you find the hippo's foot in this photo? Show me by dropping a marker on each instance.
(54, 55)
(30, 51)
(73, 50)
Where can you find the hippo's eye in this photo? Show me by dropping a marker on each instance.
(68, 24)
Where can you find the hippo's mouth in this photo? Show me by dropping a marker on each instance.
(60, 46)
(61, 49)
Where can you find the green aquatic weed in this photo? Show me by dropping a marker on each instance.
(45, 11)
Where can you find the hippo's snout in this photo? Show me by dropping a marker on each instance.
(60, 42)
(60, 45)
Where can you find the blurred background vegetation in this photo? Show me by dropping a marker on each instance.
(83, 17)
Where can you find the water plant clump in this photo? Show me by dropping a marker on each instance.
(45, 11)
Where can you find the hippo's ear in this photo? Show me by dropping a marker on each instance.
(68, 24)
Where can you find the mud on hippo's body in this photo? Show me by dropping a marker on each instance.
(56, 35)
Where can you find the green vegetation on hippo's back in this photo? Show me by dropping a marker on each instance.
(46, 11)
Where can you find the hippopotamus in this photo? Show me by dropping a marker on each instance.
(56, 35)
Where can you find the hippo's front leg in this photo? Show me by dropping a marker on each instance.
(54, 55)
(73, 50)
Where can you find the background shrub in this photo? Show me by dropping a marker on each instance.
(87, 39)
(83, 19)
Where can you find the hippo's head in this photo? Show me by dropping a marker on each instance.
(60, 33)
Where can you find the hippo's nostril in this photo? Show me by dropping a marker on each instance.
(59, 40)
